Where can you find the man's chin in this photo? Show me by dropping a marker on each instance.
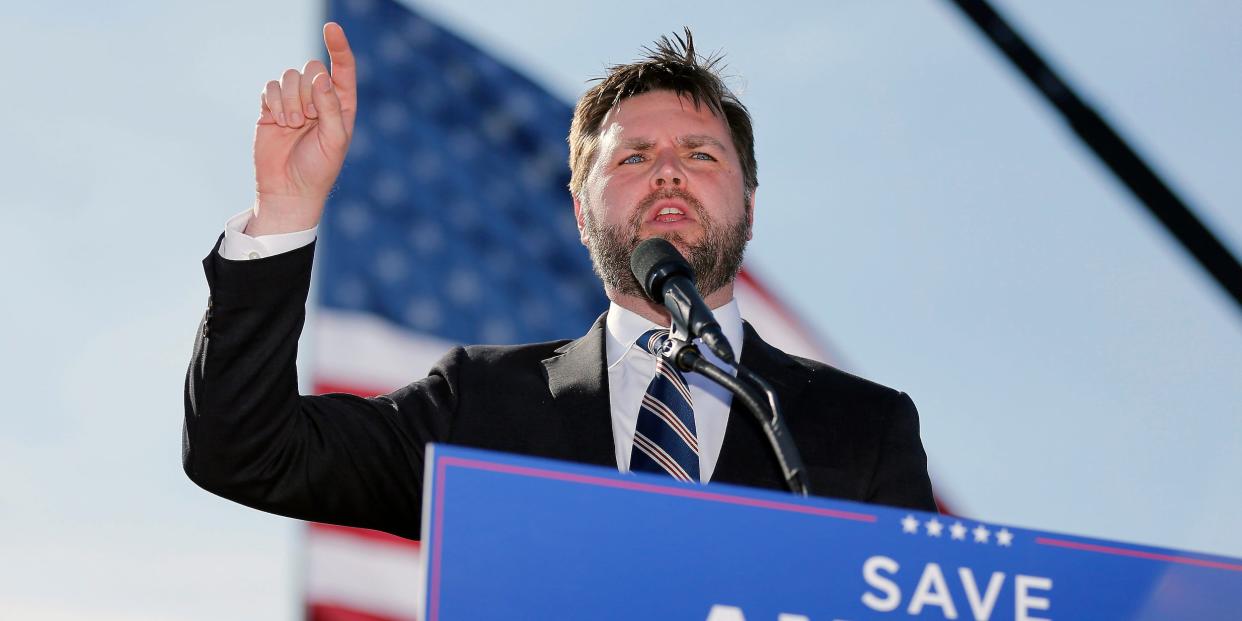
(681, 241)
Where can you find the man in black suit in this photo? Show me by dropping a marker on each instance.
(659, 147)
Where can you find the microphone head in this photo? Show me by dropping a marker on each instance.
(653, 262)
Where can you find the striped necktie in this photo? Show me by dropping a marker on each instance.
(665, 439)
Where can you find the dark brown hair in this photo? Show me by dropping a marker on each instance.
(671, 65)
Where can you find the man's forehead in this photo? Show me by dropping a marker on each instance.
(689, 141)
(638, 121)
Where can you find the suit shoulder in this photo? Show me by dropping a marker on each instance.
(486, 368)
(821, 377)
(828, 377)
(506, 354)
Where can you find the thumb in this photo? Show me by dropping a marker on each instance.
(333, 136)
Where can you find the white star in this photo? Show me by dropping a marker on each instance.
(958, 531)
(981, 534)
(934, 527)
(910, 525)
(1004, 537)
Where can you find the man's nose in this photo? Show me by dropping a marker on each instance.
(668, 172)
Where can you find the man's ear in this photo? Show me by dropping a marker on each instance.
(580, 218)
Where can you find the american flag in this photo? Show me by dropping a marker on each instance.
(451, 223)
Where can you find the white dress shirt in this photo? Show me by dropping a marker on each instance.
(630, 367)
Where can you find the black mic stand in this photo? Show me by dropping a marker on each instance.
(686, 356)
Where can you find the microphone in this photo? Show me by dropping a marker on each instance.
(668, 279)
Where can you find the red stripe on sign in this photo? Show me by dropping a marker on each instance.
(1155, 556)
(364, 533)
(330, 612)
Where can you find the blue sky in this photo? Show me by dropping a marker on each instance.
(1074, 370)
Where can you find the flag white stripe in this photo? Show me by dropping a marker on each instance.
(360, 349)
(353, 572)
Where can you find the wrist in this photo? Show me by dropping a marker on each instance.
(277, 214)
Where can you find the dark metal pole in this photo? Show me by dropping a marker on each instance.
(1159, 199)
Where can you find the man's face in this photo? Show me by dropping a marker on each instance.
(665, 168)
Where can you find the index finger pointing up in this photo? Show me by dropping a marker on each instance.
(344, 71)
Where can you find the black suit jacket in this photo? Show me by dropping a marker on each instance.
(250, 437)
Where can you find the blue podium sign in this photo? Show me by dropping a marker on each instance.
(522, 538)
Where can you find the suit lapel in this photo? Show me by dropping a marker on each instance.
(578, 380)
(746, 458)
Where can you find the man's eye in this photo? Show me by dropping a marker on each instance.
(699, 155)
(633, 159)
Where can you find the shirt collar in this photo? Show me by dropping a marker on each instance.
(624, 326)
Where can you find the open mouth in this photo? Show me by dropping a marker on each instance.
(668, 211)
(670, 214)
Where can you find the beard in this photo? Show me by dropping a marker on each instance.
(716, 258)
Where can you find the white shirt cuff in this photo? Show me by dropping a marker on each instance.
(238, 246)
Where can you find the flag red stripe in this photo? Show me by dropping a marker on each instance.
(318, 611)
(321, 387)
(364, 533)
(780, 309)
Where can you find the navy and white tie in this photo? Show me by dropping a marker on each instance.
(665, 440)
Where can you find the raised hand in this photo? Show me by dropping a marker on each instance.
(301, 138)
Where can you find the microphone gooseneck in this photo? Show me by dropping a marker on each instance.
(751, 393)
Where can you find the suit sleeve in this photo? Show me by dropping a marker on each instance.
(900, 478)
(250, 437)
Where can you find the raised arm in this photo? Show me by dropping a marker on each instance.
(249, 435)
